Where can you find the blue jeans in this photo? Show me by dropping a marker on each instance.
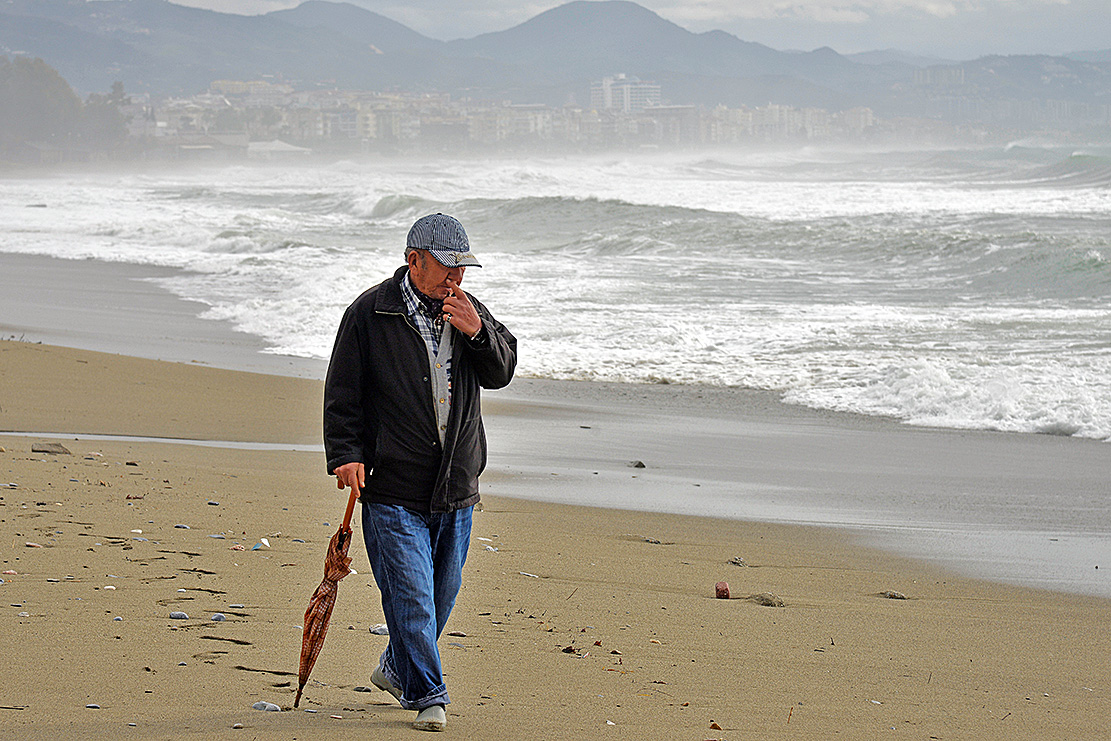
(417, 559)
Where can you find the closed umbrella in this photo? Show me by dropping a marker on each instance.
(337, 565)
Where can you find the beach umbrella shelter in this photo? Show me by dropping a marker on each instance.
(337, 565)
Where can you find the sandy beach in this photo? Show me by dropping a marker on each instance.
(190, 486)
(574, 622)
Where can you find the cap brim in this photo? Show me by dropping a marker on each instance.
(453, 259)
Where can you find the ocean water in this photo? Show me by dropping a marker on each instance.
(955, 288)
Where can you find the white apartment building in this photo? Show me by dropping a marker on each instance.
(624, 93)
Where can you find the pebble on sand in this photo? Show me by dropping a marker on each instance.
(721, 590)
(267, 706)
(766, 599)
(51, 448)
(93, 706)
(178, 615)
(218, 617)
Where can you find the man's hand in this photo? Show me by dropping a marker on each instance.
(351, 474)
(459, 310)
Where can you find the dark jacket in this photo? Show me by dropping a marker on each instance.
(378, 407)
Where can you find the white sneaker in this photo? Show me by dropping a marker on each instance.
(432, 718)
(378, 679)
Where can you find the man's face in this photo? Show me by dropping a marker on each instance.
(430, 277)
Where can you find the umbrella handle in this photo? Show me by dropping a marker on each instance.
(350, 509)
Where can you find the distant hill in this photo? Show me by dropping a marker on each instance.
(1103, 56)
(158, 47)
(589, 40)
(355, 23)
(890, 56)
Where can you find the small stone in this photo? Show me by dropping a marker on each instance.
(237, 725)
(721, 590)
(267, 706)
(93, 706)
(132, 725)
(213, 504)
(737, 561)
(766, 599)
(182, 663)
(218, 618)
(24, 614)
(892, 594)
(380, 630)
(636, 464)
(117, 619)
(178, 615)
(110, 588)
(32, 545)
(179, 526)
(50, 448)
(236, 606)
(217, 537)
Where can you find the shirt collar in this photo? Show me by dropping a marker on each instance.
(409, 296)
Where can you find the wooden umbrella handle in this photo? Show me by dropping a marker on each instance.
(350, 509)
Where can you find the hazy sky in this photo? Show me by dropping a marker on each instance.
(954, 29)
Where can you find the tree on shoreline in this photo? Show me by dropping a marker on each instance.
(39, 108)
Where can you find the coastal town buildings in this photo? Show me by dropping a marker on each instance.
(625, 113)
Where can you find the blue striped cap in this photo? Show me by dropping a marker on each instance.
(444, 237)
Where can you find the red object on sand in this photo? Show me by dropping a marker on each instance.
(721, 590)
(337, 565)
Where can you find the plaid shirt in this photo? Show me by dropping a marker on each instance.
(430, 327)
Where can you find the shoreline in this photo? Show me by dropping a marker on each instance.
(1011, 506)
(973, 502)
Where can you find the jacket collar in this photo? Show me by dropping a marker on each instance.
(390, 299)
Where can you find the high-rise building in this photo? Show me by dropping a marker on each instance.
(624, 93)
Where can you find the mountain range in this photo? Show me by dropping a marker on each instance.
(158, 47)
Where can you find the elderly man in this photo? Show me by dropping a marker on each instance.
(402, 424)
